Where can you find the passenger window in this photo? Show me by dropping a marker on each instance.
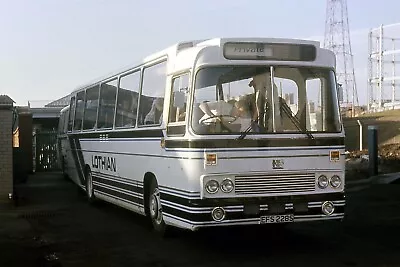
(152, 97)
(80, 98)
(91, 105)
(128, 99)
(71, 113)
(108, 93)
(180, 89)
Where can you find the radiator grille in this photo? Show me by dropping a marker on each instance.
(275, 183)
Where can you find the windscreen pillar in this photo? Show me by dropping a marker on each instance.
(6, 150)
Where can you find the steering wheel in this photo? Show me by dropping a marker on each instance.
(230, 120)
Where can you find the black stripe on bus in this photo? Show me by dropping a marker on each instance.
(118, 184)
(149, 133)
(74, 144)
(216, 143)
(233, 143)
(177, 130)
(118, 194)
(182, 200)
(237, 215)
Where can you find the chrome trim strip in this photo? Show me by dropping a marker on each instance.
(115, 179)
(298, 218)
(118, 198)
(179, 195)
(126, 192)
(178, 192)
(304, 218)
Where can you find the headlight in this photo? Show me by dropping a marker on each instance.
(335, 181)
(212, 186)
(227, 186)
(323, 181)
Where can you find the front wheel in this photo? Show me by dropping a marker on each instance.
(89, 187)
(155, 209)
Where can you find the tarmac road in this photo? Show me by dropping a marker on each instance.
(55, 226)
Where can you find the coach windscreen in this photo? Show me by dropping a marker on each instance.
(265, 99)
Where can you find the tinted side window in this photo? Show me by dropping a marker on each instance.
(71, 113)
(80, 105)
(180, 89)
(128, 98)
(91, 105)
(152, 97)
(108, 93)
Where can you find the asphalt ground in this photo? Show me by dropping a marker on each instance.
(53, 225)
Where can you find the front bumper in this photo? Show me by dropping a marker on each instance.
(196, 213)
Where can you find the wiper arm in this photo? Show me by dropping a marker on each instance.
(294, 119)
(245, 132)
(243, 135)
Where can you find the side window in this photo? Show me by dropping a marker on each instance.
(180, 89)
(128, 98)
(71, 113)
(152, 97)
(80, 105)
(91, 105)
(108, 93)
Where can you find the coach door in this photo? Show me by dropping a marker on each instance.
(178, 105)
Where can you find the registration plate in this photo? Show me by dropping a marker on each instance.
(286, 218)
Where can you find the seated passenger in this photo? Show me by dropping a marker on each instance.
(244, 110)
(155, 114)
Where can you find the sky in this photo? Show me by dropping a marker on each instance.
(48, 47)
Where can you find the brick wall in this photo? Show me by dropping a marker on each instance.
(6, 156)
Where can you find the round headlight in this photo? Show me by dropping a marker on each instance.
(335, 181)
(328, 208)
(212, 186)
(227, 186)
(323, 181)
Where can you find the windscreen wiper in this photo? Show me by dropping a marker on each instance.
(294, 119)
(245, 132)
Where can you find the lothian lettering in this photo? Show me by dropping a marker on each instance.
(104, 163)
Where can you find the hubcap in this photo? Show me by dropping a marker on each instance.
(155, 206)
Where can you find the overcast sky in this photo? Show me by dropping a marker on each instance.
(50, 47)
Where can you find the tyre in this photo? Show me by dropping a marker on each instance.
(155, 210)
(89, 187)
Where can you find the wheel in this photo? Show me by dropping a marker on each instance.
(228, 118)
(155, 209)
(89, 187)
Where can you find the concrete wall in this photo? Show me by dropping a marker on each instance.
(6, 154)
(388, 130)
